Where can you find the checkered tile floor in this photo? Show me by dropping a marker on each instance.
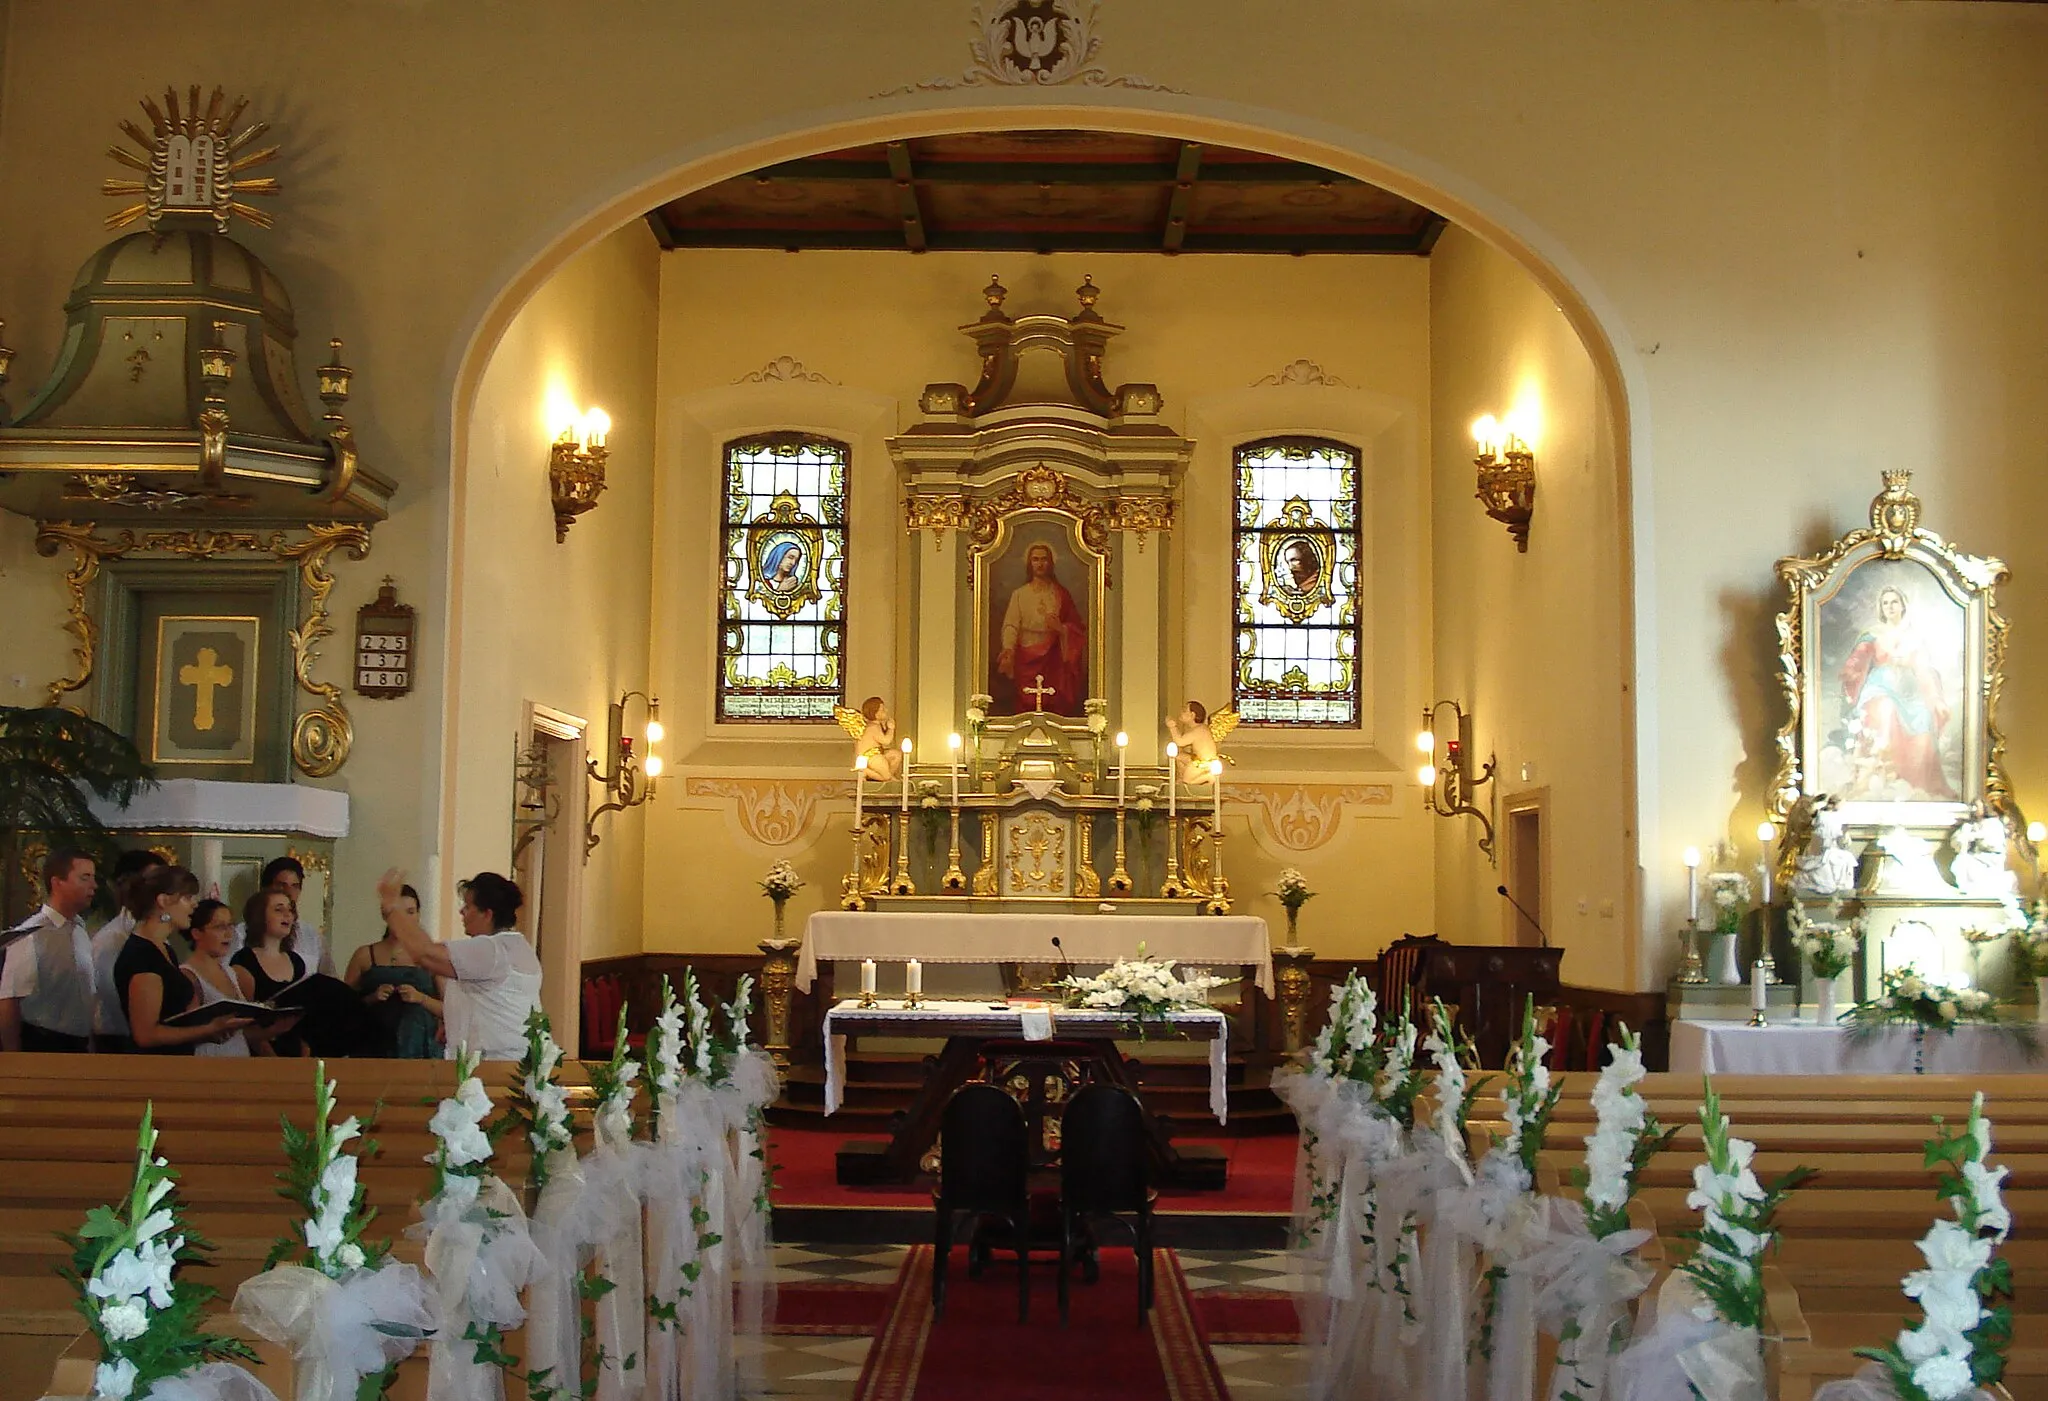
(826, 1369)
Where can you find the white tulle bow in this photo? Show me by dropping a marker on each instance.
(1873, 1383)
(481, 1255)
(1583, 1286)
(339, 1331)
(210, 1381)
(1682, 1350)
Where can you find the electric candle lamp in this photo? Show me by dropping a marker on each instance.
(2037, 832)
(653, 766)
(1425, 742)
(1692, 884)
(1426, 775)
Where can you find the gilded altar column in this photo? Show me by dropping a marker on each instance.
(778, 987)
(1291, 980)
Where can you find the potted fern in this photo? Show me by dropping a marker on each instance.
(50, 760)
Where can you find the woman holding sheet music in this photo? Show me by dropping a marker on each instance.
(152, 985)
(268, 958)
(213, 934)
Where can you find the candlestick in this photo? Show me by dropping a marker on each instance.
(1219, 889)
(913, 983)
(851, 893)
(1759, 995)
(953, 744)
(1171, 888)
(1692, 884)
(906, 775)
(867, 982)
(955, 879)
(1123, 742)
(1172, 780)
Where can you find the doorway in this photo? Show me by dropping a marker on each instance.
(1527, 887)
(547, 861)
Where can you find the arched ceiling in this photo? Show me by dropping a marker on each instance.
(1048, 191)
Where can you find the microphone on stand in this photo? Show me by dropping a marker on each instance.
(1065, 962)
(1534, 923)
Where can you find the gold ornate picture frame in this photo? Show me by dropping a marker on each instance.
(785, 548)
(1892, 656)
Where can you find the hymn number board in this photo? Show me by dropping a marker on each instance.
(384, 646)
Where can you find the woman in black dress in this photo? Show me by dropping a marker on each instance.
(269, 959)
(152, 985)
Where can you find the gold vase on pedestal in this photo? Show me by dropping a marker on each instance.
(1292, 981)
(778, 987)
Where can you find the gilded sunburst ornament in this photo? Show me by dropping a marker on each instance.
(192, 160)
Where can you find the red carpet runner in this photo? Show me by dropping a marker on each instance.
(980, 1350)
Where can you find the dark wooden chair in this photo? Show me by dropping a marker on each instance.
(1489, 984)
(1104, 1173)
(984, 1166)
(1400, 967)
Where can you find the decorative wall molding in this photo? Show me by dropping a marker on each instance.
(1302, 372)
(775, 812)
(1300, 817)
(1034, 43)
(785, 369)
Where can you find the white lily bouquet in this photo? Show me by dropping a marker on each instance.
(1829, 950)
(1913, 999)
(1346, 1048)
(125, 1263)
(1593, 1275)
(781, 882)
(1451, 1053)
(479, 1248)
(539, 1104)
(1958, 1348)
(1730, 895)
(1146, 989)
(344, 1308)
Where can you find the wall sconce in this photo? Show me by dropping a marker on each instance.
(1447, 788)
(576, 468)
(628, 781)
(1507, 477)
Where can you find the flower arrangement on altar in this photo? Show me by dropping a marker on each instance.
(1829, 950)
(1912, 999)
(125, 1263)
(1966, 1290)
(1148, 989)
(1730, 895)
(1292, 891)
(539, 1104)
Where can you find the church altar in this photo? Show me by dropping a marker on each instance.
(978, 1020)
(1808, 1048)
(1026, 936)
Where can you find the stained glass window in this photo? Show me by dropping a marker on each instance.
(782, 614)
(1296, 650)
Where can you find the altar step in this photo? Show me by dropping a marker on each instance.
(881, 1085)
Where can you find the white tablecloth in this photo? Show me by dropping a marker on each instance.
(979, 1018)
(931, 937)
(1806, 1048)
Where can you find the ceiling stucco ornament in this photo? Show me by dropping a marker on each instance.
(785, 369)
(1034, 43)
(1302, 372)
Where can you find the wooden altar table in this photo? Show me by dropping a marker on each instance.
(1807, 1048)
(967, 1028)
(974, 937)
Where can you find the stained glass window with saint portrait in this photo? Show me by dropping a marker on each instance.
(782, 611)
(1297, 623)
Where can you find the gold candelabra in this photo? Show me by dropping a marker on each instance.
(1691, 972)
(903, 885)
(955, 879)
(1120, 878)
(1173, 887)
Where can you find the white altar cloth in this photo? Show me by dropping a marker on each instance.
(932, 937)
(892, 1018)
(1807, 1048)
(215, 805)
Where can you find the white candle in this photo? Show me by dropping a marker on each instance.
(860, 781)
(913, 978)
(953, 743)
(1759, 990)
(1765, 835)
(1123, 742)
(1172, 780)
(1216, 777)
(906, 776)
(1692, 884)
(867, 977)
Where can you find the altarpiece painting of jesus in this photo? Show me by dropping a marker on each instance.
(1041, 603)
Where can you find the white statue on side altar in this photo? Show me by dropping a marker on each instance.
(1200, 736)
(1827, 866)
(1979, 863)
(874, 735)
(1908, 867)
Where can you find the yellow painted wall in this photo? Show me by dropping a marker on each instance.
(560, 625)
(1531, 644)
(1803, 241)
(877, 327)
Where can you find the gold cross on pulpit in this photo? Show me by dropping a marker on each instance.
(1038, 693)
(204, 675)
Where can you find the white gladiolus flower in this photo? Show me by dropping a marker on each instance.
(472, 1096)
(125, 1320)
(114, 1380)
(345, 1130)
(1985, 1195)
(350, 1256)
(1945, 1376)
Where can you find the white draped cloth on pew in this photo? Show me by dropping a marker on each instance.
(945, 1019)
(1805, 1048)
(930, 937)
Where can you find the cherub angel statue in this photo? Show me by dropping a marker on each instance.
(1979, 862)
(874, 734)
(1200, 736)
(1827, 860)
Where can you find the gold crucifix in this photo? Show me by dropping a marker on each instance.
(1038, 693)
(204, 675)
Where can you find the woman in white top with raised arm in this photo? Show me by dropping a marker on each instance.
(493, 974)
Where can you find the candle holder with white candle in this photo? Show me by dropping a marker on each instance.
(1766, 836)
(867, 982)
(852, 895)
(1692, 971)
(903, 885)
(1173, 888)
(955, 879)
(913, 984)
(1219, 888)
(1120, 876)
